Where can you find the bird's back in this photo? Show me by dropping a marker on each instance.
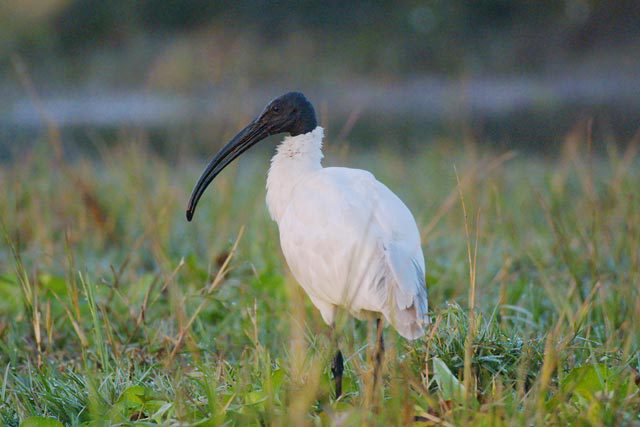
(351, 242)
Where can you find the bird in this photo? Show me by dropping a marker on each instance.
(348, 240)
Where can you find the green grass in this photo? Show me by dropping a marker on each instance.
(115, 310)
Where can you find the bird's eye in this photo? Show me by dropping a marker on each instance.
(276, 109)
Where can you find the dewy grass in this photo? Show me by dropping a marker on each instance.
(115, 310)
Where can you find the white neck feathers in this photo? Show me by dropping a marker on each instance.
(295, 157)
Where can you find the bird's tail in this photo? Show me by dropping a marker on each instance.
(406, 286)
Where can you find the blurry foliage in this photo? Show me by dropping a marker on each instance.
(405, 36)
(124, 325)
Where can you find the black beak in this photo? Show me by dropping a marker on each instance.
(245, 139)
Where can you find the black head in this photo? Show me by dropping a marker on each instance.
(291, 113)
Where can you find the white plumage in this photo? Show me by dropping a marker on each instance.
(349, 241)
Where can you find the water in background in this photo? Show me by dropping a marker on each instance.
(525, 113)
(186, 75)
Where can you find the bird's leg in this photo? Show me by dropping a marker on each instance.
(337, 367)
(379, 353)
(337, 364)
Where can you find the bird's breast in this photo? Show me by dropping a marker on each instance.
(296, 158)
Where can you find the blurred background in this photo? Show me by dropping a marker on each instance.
(481, 115)
(188, 73)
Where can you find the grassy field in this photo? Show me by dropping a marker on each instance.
(115, 310)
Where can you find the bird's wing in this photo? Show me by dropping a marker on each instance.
(360, 213)
(394, 229)
(404, 260)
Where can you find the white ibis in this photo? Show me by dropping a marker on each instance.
(349, 241)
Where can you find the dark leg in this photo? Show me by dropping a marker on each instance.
(337, 367)
(379, 354)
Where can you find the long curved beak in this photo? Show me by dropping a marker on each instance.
(240, 143)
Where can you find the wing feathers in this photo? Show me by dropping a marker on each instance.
(406, 285)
